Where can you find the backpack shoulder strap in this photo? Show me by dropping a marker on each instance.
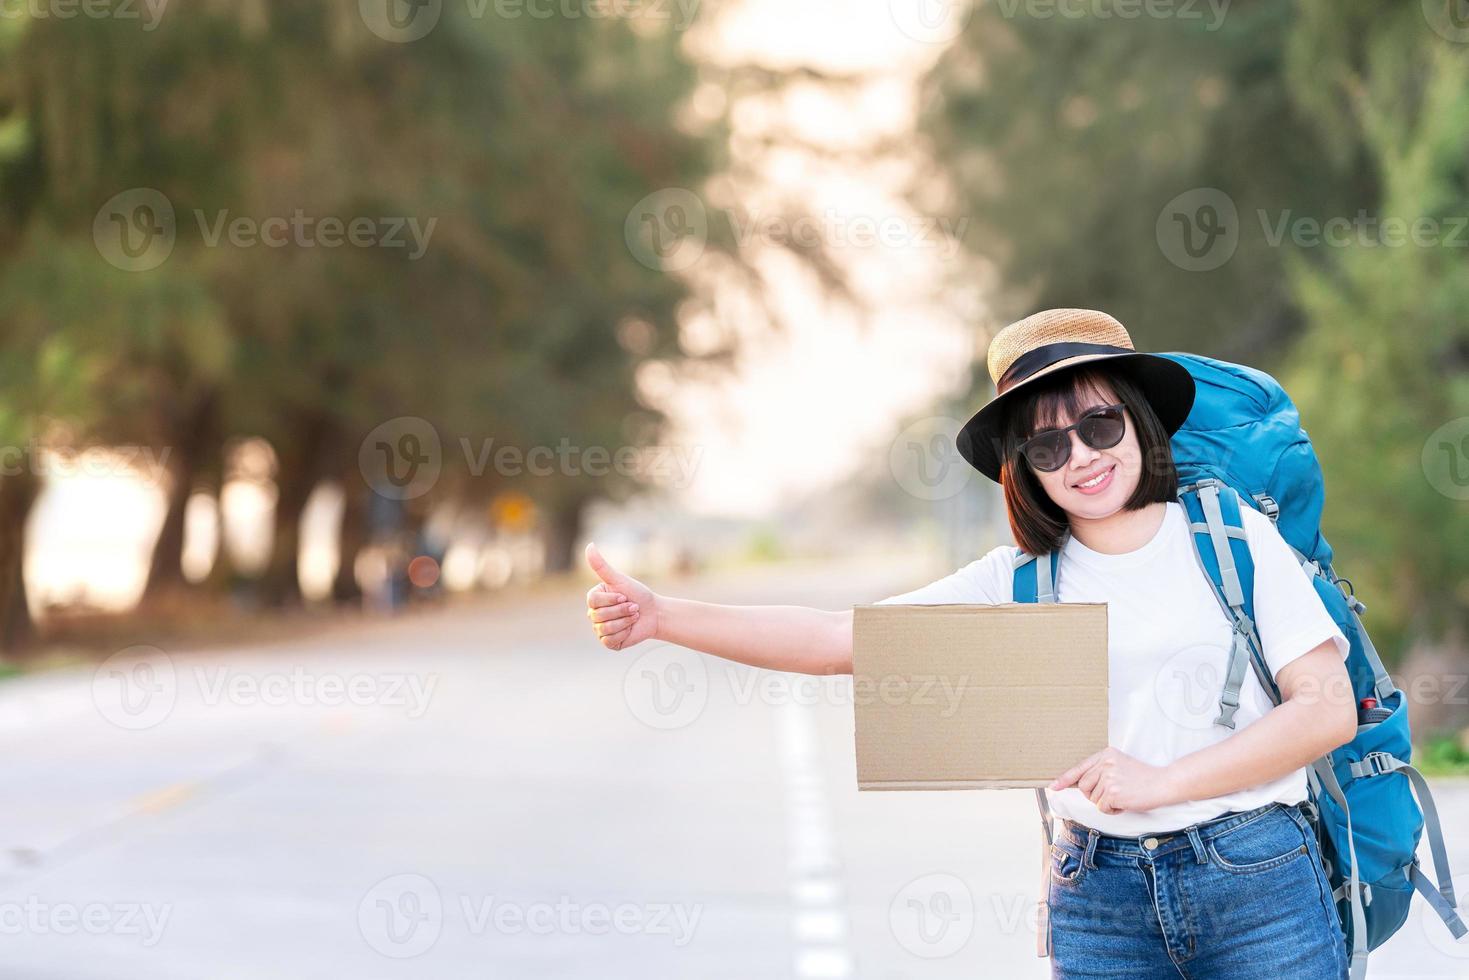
(1223, 550)
(1024, 584)
(1036, 576)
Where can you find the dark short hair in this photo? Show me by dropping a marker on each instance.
(1036, 521)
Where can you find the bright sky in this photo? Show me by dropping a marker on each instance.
(802, 408)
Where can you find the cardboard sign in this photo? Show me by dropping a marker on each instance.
(977, 696)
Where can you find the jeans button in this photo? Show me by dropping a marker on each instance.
(1150, 843)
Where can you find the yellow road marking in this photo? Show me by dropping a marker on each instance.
(169, 796)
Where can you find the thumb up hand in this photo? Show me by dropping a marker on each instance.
(623, 610)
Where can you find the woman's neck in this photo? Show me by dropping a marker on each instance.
(1120, 532)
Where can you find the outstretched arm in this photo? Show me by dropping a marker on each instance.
(624, 612)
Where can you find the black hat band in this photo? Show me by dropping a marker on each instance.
(1047, 354)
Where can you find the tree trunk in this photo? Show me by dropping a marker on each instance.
(351, 538)
(18, 492)
(297, 473)
(562, 528)
(192, 439)
(222, 576)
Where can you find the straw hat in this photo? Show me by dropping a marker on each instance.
(1055, 340)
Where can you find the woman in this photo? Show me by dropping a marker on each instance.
(1182, 850)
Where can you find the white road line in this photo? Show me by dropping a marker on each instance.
(819, 918)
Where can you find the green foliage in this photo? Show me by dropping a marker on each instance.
(95, 348)
(1443, 756)
(1384, 361)
(521, 142)
(764, 545)
(1066, 137)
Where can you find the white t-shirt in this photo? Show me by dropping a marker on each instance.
(1168, 641)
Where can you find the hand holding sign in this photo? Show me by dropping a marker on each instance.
(1116, 781)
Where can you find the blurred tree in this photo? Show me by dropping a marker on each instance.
(598, 313)
(1066, 137)
(148, 355)
(504, 152)
(1384, 364)
(135, 354)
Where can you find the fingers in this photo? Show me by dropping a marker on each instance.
(615, 625)
(1075, 772)
(607, 614)
(617, 640)
(599, 565)
(601, 597)
(1098, 785)
(1092, 777)
(611, 614)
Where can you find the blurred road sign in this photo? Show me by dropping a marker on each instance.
(512, 511)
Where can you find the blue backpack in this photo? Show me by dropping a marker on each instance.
(1243, 442)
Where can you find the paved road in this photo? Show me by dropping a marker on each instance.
(484, 792)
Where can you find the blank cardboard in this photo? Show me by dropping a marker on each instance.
(977, 696)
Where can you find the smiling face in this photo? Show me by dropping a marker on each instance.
(1093, 483)
(1137, 471)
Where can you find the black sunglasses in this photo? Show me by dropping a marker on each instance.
(1100, 428)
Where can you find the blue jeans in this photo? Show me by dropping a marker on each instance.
(1241, 895)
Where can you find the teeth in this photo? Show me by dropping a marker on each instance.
(1094, 480)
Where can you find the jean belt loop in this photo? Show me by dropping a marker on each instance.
(1193, 838)
(1088, 858)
